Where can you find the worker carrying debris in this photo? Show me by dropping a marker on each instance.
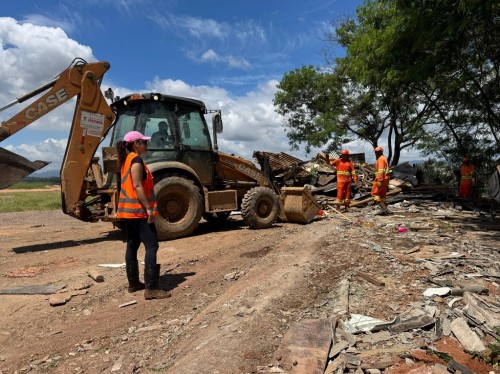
(345, 175)
(466, 174)
(381, 181)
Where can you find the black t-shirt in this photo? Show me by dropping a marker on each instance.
(138, 160)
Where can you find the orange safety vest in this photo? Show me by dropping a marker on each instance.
(345, 170)
(381, 169)
(129, 205)
(467, 171)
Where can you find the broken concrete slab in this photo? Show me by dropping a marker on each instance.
(468, 338)
(63, 297)
(337, 348)
(305, 347)
(477, 308)
(377, 337)
(33, 289)
(342, 298)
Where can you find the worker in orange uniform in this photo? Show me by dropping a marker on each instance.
(345, 175)
(466, 174)
(381, 182)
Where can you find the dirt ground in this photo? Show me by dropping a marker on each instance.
(235, 292)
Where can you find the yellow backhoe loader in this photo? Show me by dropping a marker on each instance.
(192, 178)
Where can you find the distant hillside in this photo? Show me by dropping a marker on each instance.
(39, 179)
(45, 174)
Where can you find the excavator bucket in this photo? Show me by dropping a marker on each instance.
(299, 204)
(14, 167)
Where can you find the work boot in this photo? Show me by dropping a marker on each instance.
(381, 212)
(151, 278)
(134, 284)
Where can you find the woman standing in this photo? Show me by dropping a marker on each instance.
(137, 209)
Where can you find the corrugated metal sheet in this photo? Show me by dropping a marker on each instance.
(279, 161)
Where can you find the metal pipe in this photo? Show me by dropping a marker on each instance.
(30, 94)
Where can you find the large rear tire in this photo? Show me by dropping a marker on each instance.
(179, 207)
(260, 208)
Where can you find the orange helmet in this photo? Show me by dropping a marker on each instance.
(345, 152)
(379, 149)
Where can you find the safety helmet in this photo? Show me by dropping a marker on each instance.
(345, 152)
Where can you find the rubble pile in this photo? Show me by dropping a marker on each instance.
(454, 327)
(429, 300)
(405, 183)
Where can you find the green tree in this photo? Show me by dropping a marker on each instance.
(448, 51)
(423, 73)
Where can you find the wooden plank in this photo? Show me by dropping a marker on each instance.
(371, 279)
(366, 201)
(305, 347)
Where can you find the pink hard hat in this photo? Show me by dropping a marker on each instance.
(379, 149)
(132, 136)
(345, 152)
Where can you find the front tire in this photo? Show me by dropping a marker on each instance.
(180, 206)
(260, 208)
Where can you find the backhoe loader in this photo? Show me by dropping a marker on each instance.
(192, 177)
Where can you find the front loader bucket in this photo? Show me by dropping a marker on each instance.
(13, 167)
(300, 206)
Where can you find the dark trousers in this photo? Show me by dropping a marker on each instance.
(140, 231)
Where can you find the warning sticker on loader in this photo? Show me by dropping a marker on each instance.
(93, 123)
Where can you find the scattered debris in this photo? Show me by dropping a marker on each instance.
(128, 303)
(40, 289)
(63, 297)
(96, 275)
(112, 265)
(370, 279)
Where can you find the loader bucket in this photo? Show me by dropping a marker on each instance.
(299, 205)
(14, 167)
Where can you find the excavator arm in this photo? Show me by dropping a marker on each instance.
(91, 121)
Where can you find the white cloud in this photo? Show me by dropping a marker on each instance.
(48, 150)
(250, 121)
(230, 60)
(203, 28)
(231, 40)
(31, 55)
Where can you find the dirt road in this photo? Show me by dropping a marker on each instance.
(236, 292)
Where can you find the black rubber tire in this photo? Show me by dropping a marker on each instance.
(216, 217)
(180, 206)
(260, 208)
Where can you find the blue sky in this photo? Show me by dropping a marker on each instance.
(230, 54)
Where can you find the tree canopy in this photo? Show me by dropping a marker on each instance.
(419, 74)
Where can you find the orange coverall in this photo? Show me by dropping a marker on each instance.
(379, 189)
(345, 174)
(465, 187)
